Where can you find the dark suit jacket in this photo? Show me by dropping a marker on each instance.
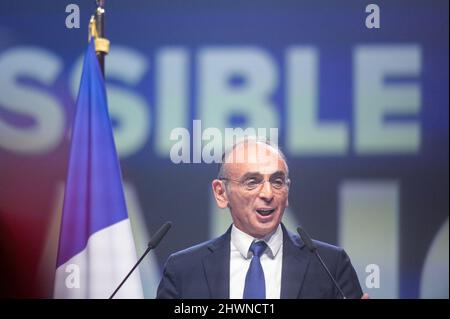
(203, 271)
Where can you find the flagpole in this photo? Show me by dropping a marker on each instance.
(97, 31)
(100, 25)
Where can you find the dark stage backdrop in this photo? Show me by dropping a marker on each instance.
(362, 115)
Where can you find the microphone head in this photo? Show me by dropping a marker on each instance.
(306, 239)
(160, 233)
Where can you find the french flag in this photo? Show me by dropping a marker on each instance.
(96, 247)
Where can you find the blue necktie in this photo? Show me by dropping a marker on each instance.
(255, 285)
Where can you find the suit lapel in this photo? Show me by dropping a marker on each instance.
(295, 264)
(217, 267)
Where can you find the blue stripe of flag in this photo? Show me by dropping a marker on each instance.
(94, 197)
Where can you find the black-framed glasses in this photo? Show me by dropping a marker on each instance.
(278, 183)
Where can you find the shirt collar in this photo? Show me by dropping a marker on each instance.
(242, 241)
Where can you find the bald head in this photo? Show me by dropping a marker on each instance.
(250, 151)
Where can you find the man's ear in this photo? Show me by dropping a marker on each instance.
(287, 200)
(287, 196)
(220, 193)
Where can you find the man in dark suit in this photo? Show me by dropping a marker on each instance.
(257, 257)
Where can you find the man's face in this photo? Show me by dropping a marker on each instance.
(258, 210)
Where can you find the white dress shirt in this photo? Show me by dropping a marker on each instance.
(271, 262)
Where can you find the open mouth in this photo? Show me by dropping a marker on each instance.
(265, 211)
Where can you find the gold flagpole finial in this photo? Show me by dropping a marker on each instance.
(101, 44)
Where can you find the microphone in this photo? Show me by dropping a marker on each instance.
(309, 243)
(154, 241)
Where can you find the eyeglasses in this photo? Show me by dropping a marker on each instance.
(278, 184)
